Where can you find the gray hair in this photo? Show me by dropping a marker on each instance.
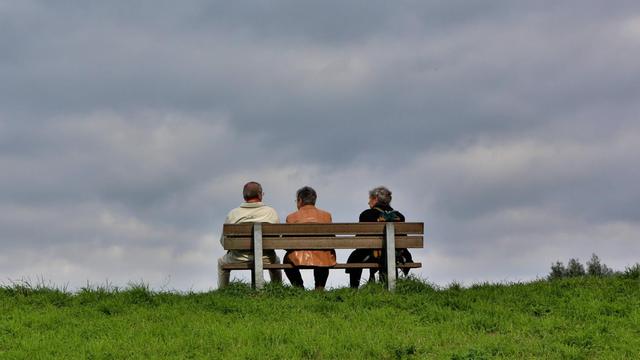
(252, 190)
(381, 194)
(307, 195)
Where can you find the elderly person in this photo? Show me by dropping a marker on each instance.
(251, 211)
(379, 210)
(319, 260)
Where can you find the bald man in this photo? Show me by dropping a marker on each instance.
(252, 210)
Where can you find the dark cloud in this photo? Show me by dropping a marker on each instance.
(509, 128)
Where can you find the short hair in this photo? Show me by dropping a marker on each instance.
(252, 190)
(307, 195)
(381, 194)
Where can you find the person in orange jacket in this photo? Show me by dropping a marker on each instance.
(319, 260)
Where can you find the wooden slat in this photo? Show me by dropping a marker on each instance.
(375, 266)
(249, 266)
(340, 229)
(237, 229)
(377, 228)
(319, 243)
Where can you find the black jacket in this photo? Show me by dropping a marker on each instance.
(372, 215)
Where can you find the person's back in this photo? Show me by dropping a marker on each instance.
(381, 213)
(253, 210)
(250, 212)
(309, 214)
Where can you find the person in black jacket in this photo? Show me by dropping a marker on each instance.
(379, 210)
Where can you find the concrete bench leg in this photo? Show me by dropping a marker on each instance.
(257, 275)
(390, 250)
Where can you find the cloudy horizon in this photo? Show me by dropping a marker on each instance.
(127, 131)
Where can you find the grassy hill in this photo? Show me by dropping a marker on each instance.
(576, 318)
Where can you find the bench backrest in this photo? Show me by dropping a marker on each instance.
(323, 236)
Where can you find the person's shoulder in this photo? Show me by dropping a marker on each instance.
(233, 215)
(292, 217)
(369, 215)
(263, 213)
(324, 215)
(369, 211)
(235, 210)
(323, 212)
(267, 207)
(270, 210)
(396, 212)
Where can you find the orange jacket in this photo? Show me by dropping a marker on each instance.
(310, 214)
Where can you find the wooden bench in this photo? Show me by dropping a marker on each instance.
(258, 237)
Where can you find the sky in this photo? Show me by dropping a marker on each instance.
(127, 130)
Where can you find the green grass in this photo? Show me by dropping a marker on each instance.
(579, 318)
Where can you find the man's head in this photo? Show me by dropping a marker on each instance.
(306, 196)
(380, 196)
(252, 192)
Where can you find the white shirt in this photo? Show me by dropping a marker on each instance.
(254, 212)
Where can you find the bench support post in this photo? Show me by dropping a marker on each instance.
(257, 274)
(390, 247)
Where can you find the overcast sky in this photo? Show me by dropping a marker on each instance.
(127, 129)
